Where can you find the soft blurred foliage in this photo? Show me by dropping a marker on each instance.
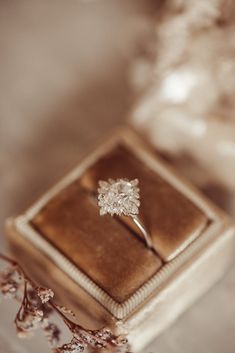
(188, 111)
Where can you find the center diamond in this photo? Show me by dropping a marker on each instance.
(120, 197)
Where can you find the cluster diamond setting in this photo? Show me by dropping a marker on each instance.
(119, 197)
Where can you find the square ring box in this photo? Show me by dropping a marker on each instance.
(100, 266)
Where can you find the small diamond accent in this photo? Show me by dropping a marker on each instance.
(119, 197)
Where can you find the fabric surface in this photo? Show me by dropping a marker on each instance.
(47, 123)
(99, 246)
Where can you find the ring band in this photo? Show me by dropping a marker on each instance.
(121, 197)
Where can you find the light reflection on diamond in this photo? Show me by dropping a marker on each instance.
(120, 197)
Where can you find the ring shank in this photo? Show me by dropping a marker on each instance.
(141, 227)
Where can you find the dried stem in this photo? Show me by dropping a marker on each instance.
(8, 259)
(34, 312)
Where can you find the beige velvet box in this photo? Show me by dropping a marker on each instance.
(100, 267)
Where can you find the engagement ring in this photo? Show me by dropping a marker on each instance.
(121, 197)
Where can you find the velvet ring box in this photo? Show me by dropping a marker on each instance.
(100, 267)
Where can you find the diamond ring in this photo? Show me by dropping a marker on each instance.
(121, 197)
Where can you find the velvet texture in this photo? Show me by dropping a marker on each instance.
(108, 249)
(172, 220)
(100, 246)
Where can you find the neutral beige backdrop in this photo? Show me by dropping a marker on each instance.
(65, 82)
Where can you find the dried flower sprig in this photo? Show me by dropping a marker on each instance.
(36, 307)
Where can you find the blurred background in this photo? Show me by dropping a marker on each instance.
(72, 71)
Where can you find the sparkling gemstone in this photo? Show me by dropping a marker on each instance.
(120, 197)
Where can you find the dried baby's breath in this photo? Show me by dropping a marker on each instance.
(45, 294)
(65, 310)
(9, 282)
(52, 332)
(35, 313)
